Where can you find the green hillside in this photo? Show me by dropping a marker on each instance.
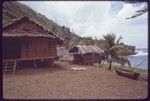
(15, 10)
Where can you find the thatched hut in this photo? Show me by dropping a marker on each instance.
(86, 54)
(25, 39)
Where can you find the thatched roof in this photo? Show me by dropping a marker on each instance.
(85, 49)
(20, 33)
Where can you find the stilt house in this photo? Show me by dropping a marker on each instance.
(25, 39)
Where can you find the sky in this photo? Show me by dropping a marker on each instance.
(97, 18)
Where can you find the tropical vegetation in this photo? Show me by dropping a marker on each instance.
(115, 50)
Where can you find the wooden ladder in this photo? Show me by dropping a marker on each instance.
(9, 65)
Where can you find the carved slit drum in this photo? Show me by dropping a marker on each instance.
(26, 39)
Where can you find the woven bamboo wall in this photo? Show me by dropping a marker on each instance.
(38, 48)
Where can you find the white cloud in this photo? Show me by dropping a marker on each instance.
(92, 18)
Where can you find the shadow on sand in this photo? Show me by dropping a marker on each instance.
(28, 68)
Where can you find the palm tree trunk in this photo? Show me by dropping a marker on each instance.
(110, 65)
(110, 61)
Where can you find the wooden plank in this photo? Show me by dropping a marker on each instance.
(29, 53)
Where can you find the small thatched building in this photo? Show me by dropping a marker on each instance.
(86, 54)
(25, 39)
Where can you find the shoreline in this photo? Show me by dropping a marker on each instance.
(142, 71)
(135, 60)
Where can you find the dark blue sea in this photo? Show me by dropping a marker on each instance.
(142, 55)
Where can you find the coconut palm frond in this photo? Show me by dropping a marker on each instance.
(124, 51)
(144, 10)
(139, 12)
(118, 41)
(110, 39)
(122, 60)
(136, 15)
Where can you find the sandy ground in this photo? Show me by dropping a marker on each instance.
(63, 83)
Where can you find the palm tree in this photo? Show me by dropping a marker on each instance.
(138, 12)
(112, 47)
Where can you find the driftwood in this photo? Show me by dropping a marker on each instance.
(127, 73)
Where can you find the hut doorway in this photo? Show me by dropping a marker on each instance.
(78, 59)
(11, 48)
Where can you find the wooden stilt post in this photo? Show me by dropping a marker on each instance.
(52, 62)
(35, 64)
(49, 62)
(14, 69)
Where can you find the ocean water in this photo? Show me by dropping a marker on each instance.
(142, 55)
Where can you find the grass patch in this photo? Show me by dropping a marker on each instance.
(138, 70)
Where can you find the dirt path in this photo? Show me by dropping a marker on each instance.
(63, 83)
